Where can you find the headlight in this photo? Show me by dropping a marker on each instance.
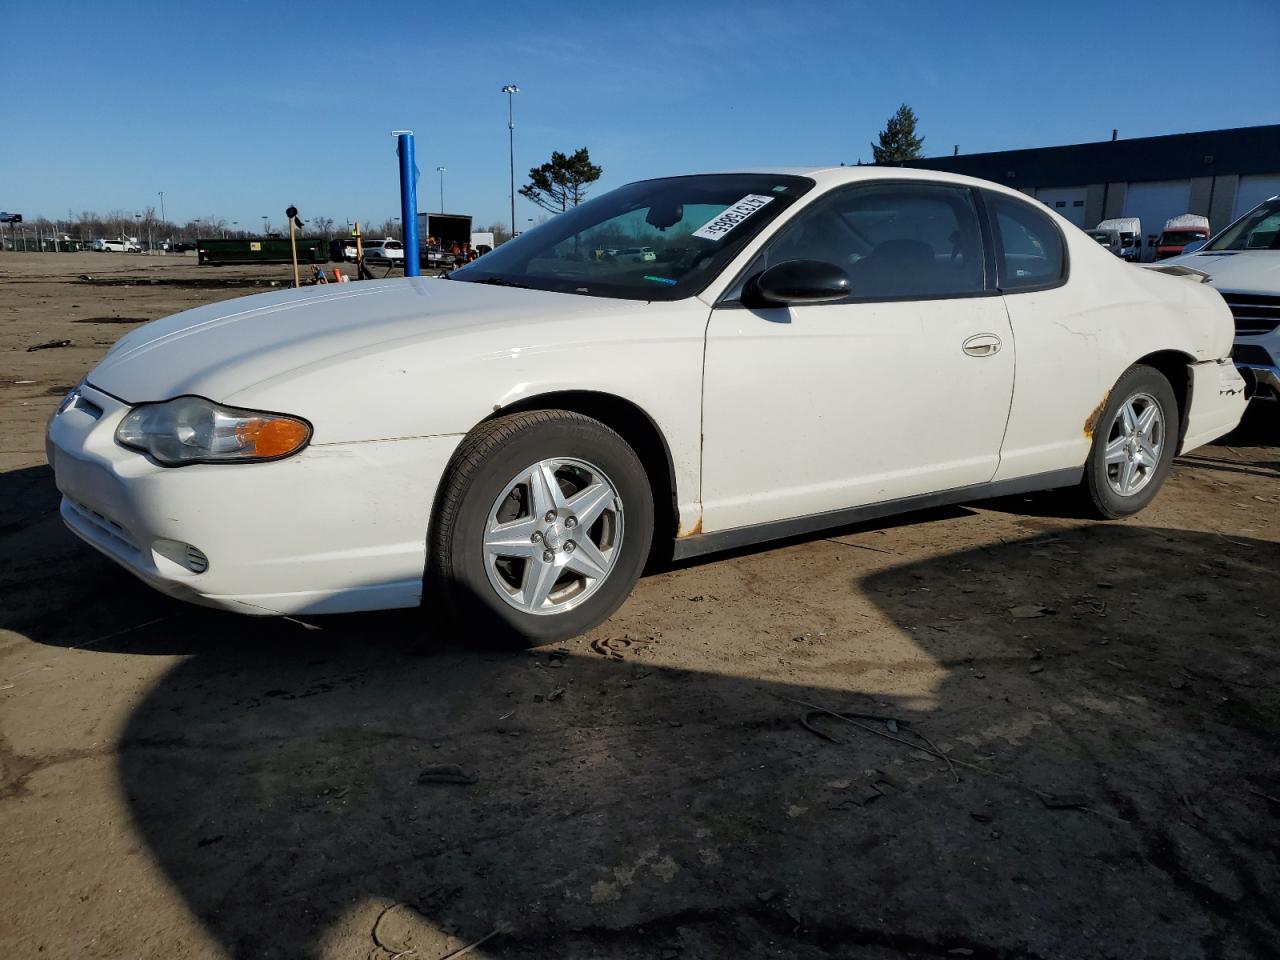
(195, 430)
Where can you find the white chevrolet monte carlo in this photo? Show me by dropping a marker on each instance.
(808, 348)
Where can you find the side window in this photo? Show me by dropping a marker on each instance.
(1028, 244)
(895, 241)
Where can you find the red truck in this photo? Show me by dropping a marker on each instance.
(1178, 232)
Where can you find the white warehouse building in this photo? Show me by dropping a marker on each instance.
(1220, 174)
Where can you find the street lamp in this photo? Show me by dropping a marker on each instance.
(441, 171)
(265, 227)
(511, 90)
(138, 227)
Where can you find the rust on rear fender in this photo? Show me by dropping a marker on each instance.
(1091, 423)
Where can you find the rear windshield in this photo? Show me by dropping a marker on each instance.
(654, 240)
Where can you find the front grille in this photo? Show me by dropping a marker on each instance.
(1255, 313)
(1251, 353)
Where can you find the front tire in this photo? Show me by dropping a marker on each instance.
(543, 526)
(1134, 444)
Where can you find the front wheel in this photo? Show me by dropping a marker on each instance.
(544, 524)
(1134, 443)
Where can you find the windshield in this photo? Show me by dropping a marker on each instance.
(653, 240)
(1180, 238)
(1103, 237)
(1259, 229)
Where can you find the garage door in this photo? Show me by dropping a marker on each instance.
(1252, 191)
(1155, 202)
(1067, 201)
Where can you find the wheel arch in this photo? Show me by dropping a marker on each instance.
(1175, 365)
(640, 430)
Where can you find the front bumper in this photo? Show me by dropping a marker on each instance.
(337, 528)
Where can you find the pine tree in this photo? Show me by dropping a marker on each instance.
(562, 183)
(898, 140)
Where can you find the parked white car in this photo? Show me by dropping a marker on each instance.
(1243, 263)
(825, 346)
(386, 251)
(637, 254)
(122, 245)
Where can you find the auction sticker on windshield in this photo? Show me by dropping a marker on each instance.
(721, 224)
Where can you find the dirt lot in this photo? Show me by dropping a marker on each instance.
(180, 783)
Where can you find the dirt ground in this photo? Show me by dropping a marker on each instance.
(181, 783)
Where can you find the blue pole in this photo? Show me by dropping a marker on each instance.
(409, 203)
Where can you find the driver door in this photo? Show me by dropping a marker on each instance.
(902, 389)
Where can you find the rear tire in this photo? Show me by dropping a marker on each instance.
(543, 526)
(1134, 443)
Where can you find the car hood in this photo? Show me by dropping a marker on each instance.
(223, 349)
(1244, 271)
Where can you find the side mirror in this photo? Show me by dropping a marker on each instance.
(797, 282)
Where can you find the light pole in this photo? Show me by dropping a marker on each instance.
(138, 218)
(511, 90)
(264, 227)
(163, 220)
(441, 171)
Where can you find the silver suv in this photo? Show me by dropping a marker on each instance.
(1243, 262)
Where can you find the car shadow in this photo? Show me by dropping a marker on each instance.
(1093, 778)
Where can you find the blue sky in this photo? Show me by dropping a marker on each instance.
(239, 109)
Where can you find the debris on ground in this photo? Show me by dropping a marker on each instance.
(445, 773)
(1028, 611)
(613, 647)
(48, 345)
(1066, 801)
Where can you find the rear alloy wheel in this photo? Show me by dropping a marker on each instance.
(1133, 446)
(543, 526)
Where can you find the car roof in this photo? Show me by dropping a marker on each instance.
(829, 176)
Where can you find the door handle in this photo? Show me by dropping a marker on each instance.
(982, 345)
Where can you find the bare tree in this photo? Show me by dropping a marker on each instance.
(501, 232)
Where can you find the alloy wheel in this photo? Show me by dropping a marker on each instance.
(1135, 443)
(553, 535)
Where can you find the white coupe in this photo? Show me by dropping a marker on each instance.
(514, 442)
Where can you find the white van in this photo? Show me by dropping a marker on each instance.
(1130, 230)
(121, 245)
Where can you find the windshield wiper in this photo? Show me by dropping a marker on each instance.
(495, 282)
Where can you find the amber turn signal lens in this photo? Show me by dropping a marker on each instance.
(271, 436)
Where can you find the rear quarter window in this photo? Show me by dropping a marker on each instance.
(1029, 247)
